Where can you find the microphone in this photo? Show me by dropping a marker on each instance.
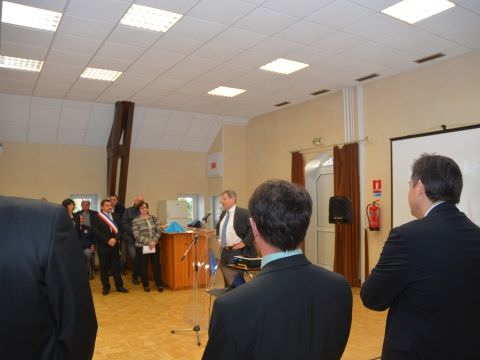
(205, 218)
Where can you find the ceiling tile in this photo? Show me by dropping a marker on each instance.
(153, 125)
(416, 41)
(304, 32)
(23, 51)
(299, 8)
(176, 44)
(95, 138)
(110, 11)
(216, 53)
(53, 5)
(74, 118)
(376, 5)
(146, 141)
(308, 55)
(42, 135)
(13, 133)
(221, 11)
(177, 126)
(26, 36)
(238, 38)
(70, 136)
(177, 6)
(84, 28)
(161, 59)
(193, 144)
(338, 42)
(109, 63)
(64, 71)
(44, 115)
(118, 51)
(14, 113)
(375, 26)
(75, 44)
(127, 35)
(199, 128)
(339, 14)
(197, 29)
(101, 120)
(265, 21)
(275, 47)
(65, 57)
(169, 140)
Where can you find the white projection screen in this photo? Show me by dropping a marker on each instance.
(460, 144)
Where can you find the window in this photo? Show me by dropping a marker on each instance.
(78, 198)
(195, 205)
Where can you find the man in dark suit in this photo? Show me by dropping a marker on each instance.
(107, 234)
(292, 309)
(84, 218)
(117, 208)
(128, 246)
(429, 270)
(235, 237)
(46, 308)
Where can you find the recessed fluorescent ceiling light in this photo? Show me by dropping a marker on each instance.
(284, 66)
(149, 18)
(100, 74)
(412, 11)
(20, 64)
(30, 16)
(226, 91)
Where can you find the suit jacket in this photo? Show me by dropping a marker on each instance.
(290, 310)
(428, 277)
(46, 308)
(127, 218)
(102, 233)
(241, 225)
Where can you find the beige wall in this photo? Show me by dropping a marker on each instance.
(415, 102)
(215, 184)
(234, 168)
(56, 171)
(52, 171)
(163, 175)
(271, 137)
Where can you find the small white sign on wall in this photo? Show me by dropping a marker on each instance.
(215, 164)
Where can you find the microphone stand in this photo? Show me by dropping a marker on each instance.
(195, 287)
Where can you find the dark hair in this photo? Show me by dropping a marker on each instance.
(67, 202)
(231, 194)
(141, 203)
(440, 175)
(281, 210)
(104, 201)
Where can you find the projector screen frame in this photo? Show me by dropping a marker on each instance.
(437, 132)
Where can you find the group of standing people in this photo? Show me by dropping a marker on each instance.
(116, 234)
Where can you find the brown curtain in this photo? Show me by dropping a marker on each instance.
(347, 236)
(298, 169)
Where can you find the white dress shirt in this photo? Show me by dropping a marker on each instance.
(232, 237)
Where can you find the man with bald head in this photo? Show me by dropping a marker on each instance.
(127, 219)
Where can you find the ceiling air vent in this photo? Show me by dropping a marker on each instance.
(323, 91)
(368, 77)
(282, 103)
(430, 58)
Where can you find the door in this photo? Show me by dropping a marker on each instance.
(320, 244)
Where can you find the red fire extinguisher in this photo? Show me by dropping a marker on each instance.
(373, 215)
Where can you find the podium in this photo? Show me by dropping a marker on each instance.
(178, 274)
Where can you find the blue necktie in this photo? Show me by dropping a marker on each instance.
(224, 229)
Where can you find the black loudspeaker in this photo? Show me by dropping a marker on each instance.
(340, 210)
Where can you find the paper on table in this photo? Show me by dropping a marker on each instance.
(147, 250)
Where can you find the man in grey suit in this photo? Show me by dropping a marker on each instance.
(292, 309)
(428, 272)
(46, 308)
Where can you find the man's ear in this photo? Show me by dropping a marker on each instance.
(420, 188)
(254, 228)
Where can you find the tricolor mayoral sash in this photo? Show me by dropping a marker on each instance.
(110, 223)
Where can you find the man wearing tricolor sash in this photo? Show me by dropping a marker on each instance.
(107, 234)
